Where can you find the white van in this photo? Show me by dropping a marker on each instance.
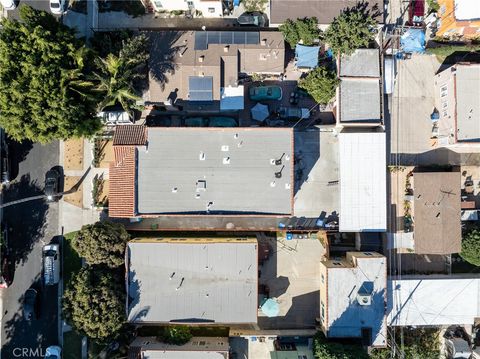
(51, 264)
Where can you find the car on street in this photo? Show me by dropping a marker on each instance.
(252, 19)
(5, 273)
(52, 179)
(263, 93)
(51, 264)
(30, 304)
(53, 352)
(58, 7)
(293, 113)
(8, 4)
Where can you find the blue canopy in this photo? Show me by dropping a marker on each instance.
(307, 56)
(413, 40)
(270, 307)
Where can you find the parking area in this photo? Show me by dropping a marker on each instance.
(317, 193)
(36, 4)
(291, 274)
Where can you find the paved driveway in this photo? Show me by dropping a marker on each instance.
(31, 225)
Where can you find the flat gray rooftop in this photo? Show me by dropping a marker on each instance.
(362, 63)
(192, 282)
(192, 170)
(360, 100)
(468, 103)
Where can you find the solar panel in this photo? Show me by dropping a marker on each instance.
(200, 88)
(204, 38)
(201, 40)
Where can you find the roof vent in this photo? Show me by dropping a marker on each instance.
(197, 196)
(225, 148)
(235, 136)
(201, 58)
(201, 185)
(201, 156)
(263, 57)
(174, 190)
(272, 161)
(226, 48)
(287, 186)
(240, 144)
(272, 184)
(226, 160)
(364, 299)
(264, 42)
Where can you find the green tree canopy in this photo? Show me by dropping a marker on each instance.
(117, 74)
(300, 30)
(178, 335)
(351, 30)
(471, 247)
(320, 83)
(324, 349)
(102, 243)
(255, 5)
(44, 94)
(94, 303)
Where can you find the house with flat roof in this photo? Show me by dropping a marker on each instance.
(457, 97)
(199, 70)
(201, 171)
(353, 297)
(459, 19)
(433, 300)
(359, 92)
(196, 348)
(363, 182)
(192, 280)
(436, 212)
(204, 8)
(324, 10)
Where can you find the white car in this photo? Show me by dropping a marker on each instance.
(57, 7)
(51, 264)
(53, 352)
(8, 4)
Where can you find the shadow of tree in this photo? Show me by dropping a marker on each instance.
(162, 53)
(17, 152)
(366, 9)
(25, 220)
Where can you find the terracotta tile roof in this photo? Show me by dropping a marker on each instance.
(130, 135)
(122, 182)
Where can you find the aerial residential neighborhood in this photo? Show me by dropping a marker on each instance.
(240, 179)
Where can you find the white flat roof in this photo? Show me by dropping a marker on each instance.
(363, 192)
(156, 354)
(441, 300)
(346, 317)
(192, 282)
(467, 9)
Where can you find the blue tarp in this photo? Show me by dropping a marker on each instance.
(413, 40)
(307, 56)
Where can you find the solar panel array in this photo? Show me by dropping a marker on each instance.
(204, 38)
(200, 88)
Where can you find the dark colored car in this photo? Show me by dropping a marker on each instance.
(30, 304)
(252, 19)
(52, 179)
(5, 272)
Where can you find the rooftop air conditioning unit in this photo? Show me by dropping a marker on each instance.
(364, 299)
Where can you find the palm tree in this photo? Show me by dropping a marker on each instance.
(115, 82)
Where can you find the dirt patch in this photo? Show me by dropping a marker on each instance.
(75, 198)
(103, 153)
(73, 154)
(100, 191)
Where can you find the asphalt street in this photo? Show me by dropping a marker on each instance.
(31, 225)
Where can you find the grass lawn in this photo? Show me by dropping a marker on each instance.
(72, 345)
(71, 261)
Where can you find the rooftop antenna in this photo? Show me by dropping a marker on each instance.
(279, 161)
(279, 173)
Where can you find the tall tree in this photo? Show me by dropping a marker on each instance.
(44, 92)
(471, 247)
(300, 30)
(94, 303)
(321, 84)
(351, 30)
(102, 243)
(324, 349)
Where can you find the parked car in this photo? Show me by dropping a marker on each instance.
(457, 343)
(52, 179)
(5, 273)
(252, 19)
(30, 304)
(51, 264)
(262, 93)
(196, 122)
(289, 113)
(58, 7)
(53, 352)
(8, 4)
(5, 168)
